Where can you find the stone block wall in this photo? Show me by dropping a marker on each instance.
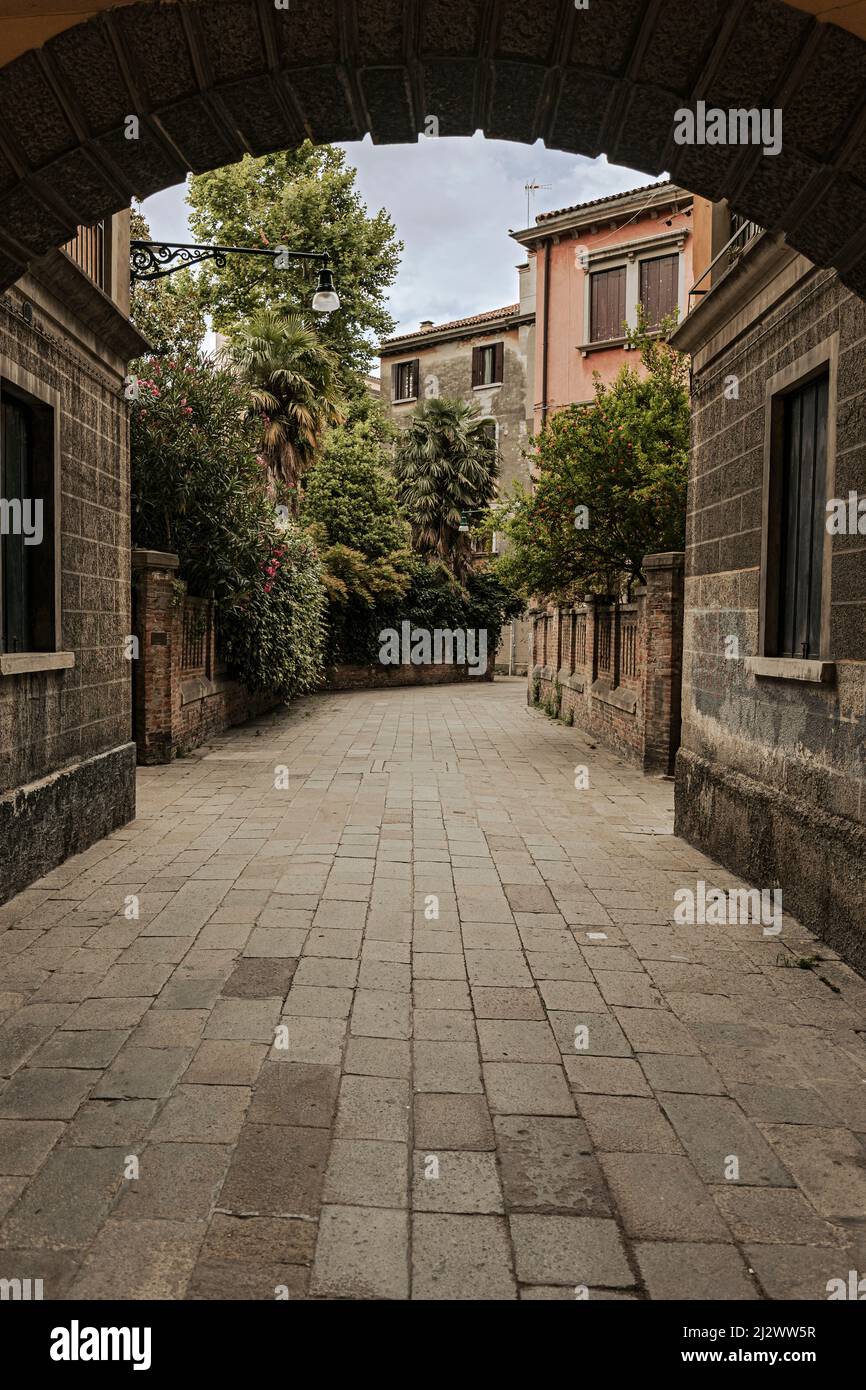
(614, 669)
(67, 768)
(771, 776)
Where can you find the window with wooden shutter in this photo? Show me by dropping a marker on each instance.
(659, 287)
(607, 304)
(802, 496)
(404, 380)
(487, 364)
(27, 561)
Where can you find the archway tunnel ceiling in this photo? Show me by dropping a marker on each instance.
(211, 80)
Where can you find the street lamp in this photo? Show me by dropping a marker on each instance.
(152, 260)
(326, 300)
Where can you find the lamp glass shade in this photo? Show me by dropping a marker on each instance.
(325, 300)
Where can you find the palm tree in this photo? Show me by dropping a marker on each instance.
(446, 465)
(293, 383)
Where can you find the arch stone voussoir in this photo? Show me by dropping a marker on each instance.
(211, 80)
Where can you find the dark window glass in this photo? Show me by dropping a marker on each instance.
(488, 364)
(405, 380)
(802, 519)
(26, 526)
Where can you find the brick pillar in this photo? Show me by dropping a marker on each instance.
(555, 655)
(591, 603)
(154, 576)
(661, 640)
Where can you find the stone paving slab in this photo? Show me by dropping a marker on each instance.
(420, 1025)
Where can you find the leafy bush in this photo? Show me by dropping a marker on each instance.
(200, 489)
(274, 631)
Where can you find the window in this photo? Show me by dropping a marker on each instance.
(27, 561)
(659, 287)
(488, 364)
(802, 490)
(90, 248)
(607, 304)
(404, 380)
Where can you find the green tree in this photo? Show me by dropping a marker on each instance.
(305, 199)
(362, 537)
(293, 386)
(609, 486)
(350, 493)
(445, 466)
(168, 311)
(198, 489)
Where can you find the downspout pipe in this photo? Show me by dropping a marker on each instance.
(545, 351)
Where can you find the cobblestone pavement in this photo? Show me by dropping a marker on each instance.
(332, 1092)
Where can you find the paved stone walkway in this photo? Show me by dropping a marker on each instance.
(327, 1089)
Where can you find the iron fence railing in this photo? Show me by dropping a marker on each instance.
(196, 636)
(743, 232)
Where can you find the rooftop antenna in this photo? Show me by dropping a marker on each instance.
(529, 189)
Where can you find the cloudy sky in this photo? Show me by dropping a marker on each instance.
(453, 202)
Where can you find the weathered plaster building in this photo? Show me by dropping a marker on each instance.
(592, 265)
(771, 776)
(488, 361)
(67, 764)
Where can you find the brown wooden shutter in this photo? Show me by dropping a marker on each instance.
(498, 361)
(659, 287)
(416, 376)
(476, 366)
(395, 386)
(607, 304)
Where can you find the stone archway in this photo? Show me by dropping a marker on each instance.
(212, 79)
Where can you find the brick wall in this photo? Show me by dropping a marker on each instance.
(615, 669)
(183, 696)
(385, 677)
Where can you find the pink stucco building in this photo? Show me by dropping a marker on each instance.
(592, 264)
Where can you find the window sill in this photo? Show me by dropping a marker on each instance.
(607, 344)
(603, 345)
(487, 386)
(405, 400)
(618, 696)
(787, 668)
(24, 663)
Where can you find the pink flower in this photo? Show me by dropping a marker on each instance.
(268, 588)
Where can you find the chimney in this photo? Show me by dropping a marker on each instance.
(426, 323)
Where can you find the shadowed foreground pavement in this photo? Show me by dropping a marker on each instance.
(332, 1091)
